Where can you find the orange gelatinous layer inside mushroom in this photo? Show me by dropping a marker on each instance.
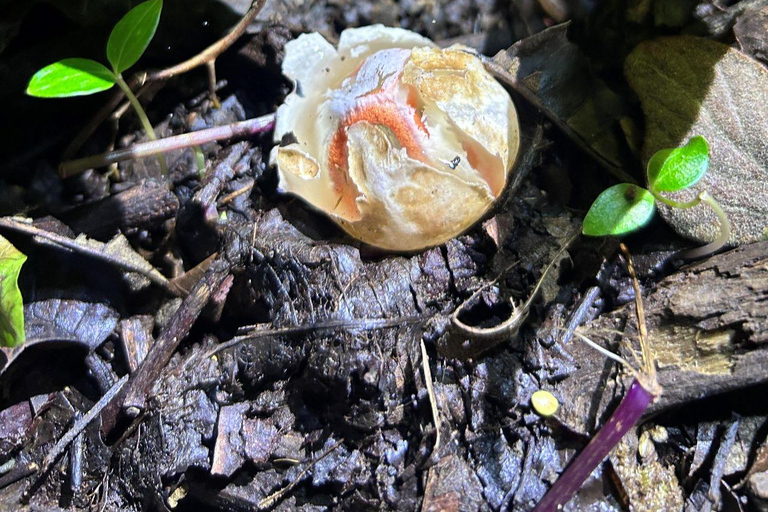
(383, 108)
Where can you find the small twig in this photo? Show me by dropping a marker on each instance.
(232, 195)
(607, 353)
(142, 78)
(273, 498)
(431, 395)
(154, 147)
(349, 325)
(68, 243)
(212, 83)
(178, 328)
(215, 49)
(130, 404)
(67, 438)
(17, 473)
(647, 372)
(733, 494)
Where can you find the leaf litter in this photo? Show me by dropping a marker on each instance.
(344, 419)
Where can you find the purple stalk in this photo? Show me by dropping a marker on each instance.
(626, 415)
(154, 147)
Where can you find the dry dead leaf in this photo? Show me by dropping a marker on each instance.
(693, 86)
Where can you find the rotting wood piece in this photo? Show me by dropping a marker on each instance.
(144, 206)
(133, 399)
(136, 339)
(708, 328)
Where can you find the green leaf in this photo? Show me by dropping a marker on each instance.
(670, 170)
(132, 34)
(11, 305)
(70, 77)
(619, 209)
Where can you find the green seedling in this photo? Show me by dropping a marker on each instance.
(11, 304)
(79, 77)
(626, 207)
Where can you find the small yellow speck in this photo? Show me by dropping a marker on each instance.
(544, 403)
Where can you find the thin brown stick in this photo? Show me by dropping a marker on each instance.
(62, 444)
(273, 498)
(140, 79)
(648, 371)
(231, 196)
(145, 376)
(20, 226)
(212, 83)
(213, 51)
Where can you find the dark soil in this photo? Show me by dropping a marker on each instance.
(296, 378)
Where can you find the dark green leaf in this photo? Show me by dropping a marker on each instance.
(670, 170)
(132, 34)
(11, 305)
(619, 209)
(70, 77)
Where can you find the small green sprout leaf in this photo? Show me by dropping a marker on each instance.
(70, 77)
(11, 305)
(132, 34)
(670, 170)
(619, 209)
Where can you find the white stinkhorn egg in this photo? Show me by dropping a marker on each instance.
(401, 143)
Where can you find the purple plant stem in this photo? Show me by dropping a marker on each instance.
(154, 147)
(624, 418)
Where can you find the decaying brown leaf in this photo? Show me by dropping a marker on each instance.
(551, 72)
(693, 86)
(751, 31)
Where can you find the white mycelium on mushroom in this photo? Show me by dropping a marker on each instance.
(401, 143)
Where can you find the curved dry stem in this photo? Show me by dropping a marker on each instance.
(512, 324)
(213, 51)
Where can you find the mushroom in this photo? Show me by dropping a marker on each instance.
(403, 144)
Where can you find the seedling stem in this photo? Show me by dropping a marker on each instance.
(625, 207)
(142, 117)
(725, 226)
